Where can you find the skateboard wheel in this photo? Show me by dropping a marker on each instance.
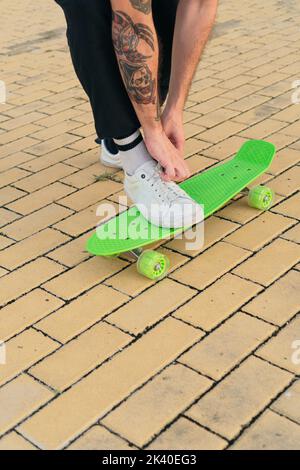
(153, 265)
(261, 197)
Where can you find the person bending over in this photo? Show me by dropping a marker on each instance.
(131, 57)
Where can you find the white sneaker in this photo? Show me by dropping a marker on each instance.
(109, 159)
(162, 203)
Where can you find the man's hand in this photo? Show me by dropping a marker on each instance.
(172, 122)
(163, 151)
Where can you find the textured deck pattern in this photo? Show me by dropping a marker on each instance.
(212, 189)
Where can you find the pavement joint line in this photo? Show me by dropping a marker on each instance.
(296, 243)
(272, 363)
(46, 335)
(204, 427)
(217, 79)
(90, 372)
(196, 371)
(267, 322)
(24, 437)
(257, 416)
(222, 322)
(253, 352)
(147, 328)
(34, 212)
(181, 413)
(40, 381)
(285, 416)
(123, 330)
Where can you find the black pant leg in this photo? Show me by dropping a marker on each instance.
(95, 64)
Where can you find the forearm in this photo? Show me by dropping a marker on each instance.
(194, 22)
(136, 46)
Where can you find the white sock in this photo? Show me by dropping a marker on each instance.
(133, 152)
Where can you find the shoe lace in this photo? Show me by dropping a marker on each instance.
(168, 192)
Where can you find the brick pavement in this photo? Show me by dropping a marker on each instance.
(99, 357)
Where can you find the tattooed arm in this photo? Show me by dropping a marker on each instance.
(194, 22)
(136, 46)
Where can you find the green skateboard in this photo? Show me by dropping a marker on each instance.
(212, 188)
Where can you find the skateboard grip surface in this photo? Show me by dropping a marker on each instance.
(212, 188)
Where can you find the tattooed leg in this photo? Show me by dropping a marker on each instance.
(142, 5)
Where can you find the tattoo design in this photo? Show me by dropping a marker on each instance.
(142, 5)
(128, 37)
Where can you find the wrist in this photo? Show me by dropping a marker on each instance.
(174, 111)
(151, 130)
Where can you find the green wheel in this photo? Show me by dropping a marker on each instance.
(261, 197)
(153, 264)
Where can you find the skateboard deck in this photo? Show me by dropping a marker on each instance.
(212, 188)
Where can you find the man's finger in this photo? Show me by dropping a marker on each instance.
(169, 172)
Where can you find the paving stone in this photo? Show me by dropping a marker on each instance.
(288, 403)
(184, 434)
(239, 397)
(270, 263)
(14, 441)
(83, 277)
(72, 253)
(9, 193)
(150, 409)
(222, 131)
(35, 222)
(279, 302)
(90, 195)
(80, 314)
(30, 248)
(19, 398)
(7, 217)
(38, 199)
(284, 349)
(99, 438)
(5, 242)
(53, 427)
(239, 211)
(210, 265)
(24, 350)
(217, 302)
(227, 346)
(287, 183)
(270, 432)
(284, 160)
(27, 278)
(25, 311)
(150, 306)
(293, 234)
(44, 177)
(69, 364)
(289, 207)
(260, 231)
